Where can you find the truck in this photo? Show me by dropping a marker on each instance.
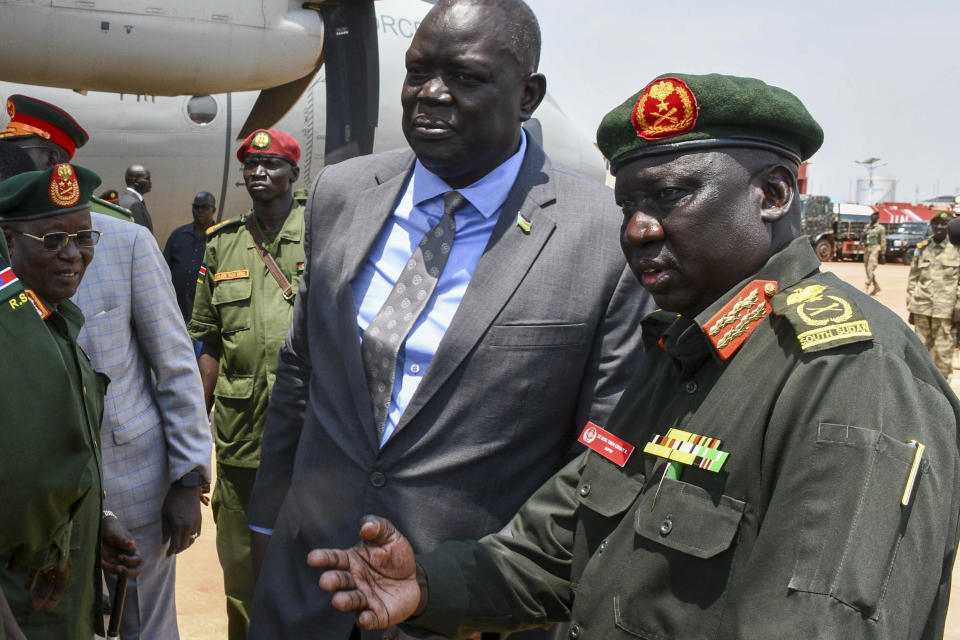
(850, 222)
(817, 217)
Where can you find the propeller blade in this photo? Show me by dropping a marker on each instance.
(274, 103)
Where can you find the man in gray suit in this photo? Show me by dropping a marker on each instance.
(525, 322)
(155, 434)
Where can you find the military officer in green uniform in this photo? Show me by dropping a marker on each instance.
(51, 483)
(874, 244)
(243, 308)
(745, 486)
(933, 293)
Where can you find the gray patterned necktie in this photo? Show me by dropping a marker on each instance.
(415, 284)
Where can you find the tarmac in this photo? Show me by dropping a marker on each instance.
(200, 601)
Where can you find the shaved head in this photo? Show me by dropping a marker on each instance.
(521, 29)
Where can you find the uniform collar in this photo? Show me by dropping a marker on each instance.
(685, 340)
(291, 230)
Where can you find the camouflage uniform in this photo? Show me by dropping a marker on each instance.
(932, 295)
(875, 239)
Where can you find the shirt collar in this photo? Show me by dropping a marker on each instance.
(486, 195)
(136, 193)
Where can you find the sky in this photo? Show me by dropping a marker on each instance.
(882, 78)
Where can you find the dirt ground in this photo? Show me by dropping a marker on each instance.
(200, 601)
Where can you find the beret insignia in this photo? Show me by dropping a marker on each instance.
(12, 110)
(261, 140)
(64, 187)
(666, 108)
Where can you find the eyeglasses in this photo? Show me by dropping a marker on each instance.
(56, 240)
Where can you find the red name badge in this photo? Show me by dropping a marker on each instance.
(606, 444)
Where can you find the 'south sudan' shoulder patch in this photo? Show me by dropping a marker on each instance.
(822, 316)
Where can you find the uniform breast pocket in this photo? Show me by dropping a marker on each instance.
(232, 300)
(682, 553)
(849, 542)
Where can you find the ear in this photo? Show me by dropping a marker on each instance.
(294, 174)
(779, 187)
(534, 90)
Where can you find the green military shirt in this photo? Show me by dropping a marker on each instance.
(800, 533)
(51, 482)
(240, 308)
(934, 286)
(98, 205)
(875, 236)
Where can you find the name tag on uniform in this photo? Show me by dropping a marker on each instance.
(601, 441)
(231, 275)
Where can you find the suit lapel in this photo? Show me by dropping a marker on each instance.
(373, 208)
(508, 256)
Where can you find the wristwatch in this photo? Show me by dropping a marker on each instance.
(190, 480)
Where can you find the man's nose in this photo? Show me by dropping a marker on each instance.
(435, 89)
(642, 228)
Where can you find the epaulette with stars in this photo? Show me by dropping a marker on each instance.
(822, 316)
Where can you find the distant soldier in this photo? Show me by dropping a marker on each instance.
(106, 203)
(184, 251)
(933, 293)
(243, 308)
(875, 243)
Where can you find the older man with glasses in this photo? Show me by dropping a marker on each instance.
(51, 477)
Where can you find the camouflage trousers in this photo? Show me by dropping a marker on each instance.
(937, 337)
(871, 259)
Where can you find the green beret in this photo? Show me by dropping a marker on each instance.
(941, 215)
(678, 112)
(63, 188)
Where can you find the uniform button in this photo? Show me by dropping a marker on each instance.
(603, 546)
(575, 631)
(666, 526)
(377, 479)
(84, 389)
(690, 387)
(414, 368)
(585, 490)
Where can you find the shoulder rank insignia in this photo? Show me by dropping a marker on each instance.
(923, 243)
(41, 308)
(220, 225)
(732, 325)
(9, 283)
(822, 316)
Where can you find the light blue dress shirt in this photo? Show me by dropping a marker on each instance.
(419, 209)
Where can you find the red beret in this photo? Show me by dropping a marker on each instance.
(32, 117)
(270, 142)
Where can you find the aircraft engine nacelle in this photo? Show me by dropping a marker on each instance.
(114, 45)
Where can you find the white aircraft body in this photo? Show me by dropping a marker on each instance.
(339, 99)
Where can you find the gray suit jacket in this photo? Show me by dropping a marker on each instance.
(545, 338)
(155, 425)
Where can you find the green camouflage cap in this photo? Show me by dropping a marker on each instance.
(942, 215)
(679, 112)
(63, 188)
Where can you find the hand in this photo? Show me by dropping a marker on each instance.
(47, 587)
(910, 317)
(118, 551)
(377, 578)
(180, 518)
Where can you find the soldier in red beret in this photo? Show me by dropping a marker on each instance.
(242, 310)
